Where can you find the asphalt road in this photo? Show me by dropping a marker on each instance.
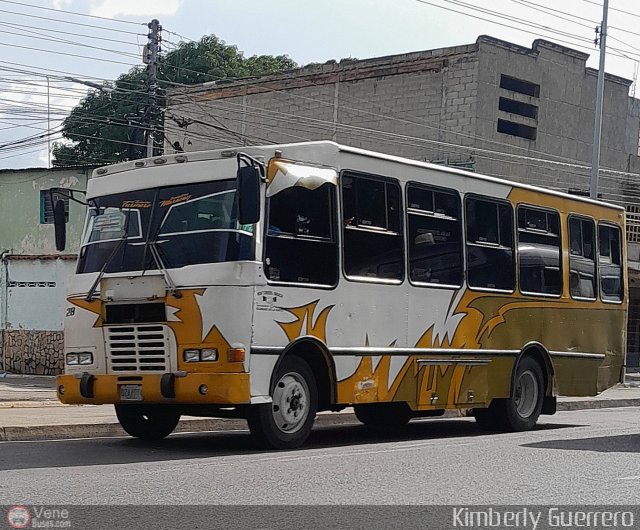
(571, 458)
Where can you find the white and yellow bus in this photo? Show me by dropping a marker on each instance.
(274, 282)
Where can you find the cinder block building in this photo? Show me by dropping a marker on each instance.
(501, 109)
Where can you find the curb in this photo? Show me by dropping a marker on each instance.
(30, 404)
(93, 430)
(598, 404)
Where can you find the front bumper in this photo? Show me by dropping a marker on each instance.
(223, 389)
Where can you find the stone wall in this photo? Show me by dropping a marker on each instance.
(33, 352)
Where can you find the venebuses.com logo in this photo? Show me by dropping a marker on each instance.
(18, 517)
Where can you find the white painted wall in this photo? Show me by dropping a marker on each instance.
(34, 292)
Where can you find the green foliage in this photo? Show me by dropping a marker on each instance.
(104, 127)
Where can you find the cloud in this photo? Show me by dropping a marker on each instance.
(115, 8)
(60, 4)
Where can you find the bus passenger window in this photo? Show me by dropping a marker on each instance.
(490, 256)
(435, 241)
(582, 265)
(610, 263)
(539, 255)
(301, 246)
(372, 228)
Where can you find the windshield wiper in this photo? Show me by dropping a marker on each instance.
(155, 254)
(122, 241)
(150, 244)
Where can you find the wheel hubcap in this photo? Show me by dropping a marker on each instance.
(290, 405)
(526, 394)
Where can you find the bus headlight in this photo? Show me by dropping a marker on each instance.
(191, 356)
(209, 354)
(206, 354)
(72, 359)
(85, 357)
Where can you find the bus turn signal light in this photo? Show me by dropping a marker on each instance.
(235, 355)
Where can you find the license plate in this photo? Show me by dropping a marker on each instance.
(131, 392)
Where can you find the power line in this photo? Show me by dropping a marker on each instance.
(519, 21)
(62, 21)
(65, 53)
(24, 4)
(72, 33)
(345, 127)
(613, 9)
(41, 36)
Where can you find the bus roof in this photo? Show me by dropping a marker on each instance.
(329, 147)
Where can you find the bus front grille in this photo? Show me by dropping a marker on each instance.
(137, 348)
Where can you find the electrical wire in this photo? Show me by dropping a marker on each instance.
(62, 21)
(24, 4)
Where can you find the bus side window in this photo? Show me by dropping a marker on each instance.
(301, 246)
(610, 263)
(435, 239)
(490, 253)
(582, 264)
(372, 227)
(539, 253)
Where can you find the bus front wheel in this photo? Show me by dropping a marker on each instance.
(147, 422)
(519, 412)
(286, 422)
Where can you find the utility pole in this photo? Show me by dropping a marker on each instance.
(597, 128)
(48, 124)
(151, 58)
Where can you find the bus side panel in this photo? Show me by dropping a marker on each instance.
(352, 316)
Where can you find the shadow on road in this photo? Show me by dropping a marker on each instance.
(107, 451)
(625, 443)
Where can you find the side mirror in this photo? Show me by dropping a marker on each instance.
(248, 195)
(60, 225)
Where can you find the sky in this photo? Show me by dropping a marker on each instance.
(53, 42)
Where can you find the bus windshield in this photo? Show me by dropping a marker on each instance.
(189, 224)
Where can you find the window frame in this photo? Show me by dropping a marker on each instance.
(47, 196)
(497, 201)
(441, 189)
(88, 227)
(560, 249)
(334, 217)
(177, 205)
(354, 173)
(596, 253)
(610, 224)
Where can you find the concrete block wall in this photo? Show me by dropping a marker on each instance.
(436, 105)
(565, 118)
(405, 105)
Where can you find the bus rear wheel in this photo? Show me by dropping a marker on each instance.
(147, 422)
(381, 415)
(286, 422)
(519, 412)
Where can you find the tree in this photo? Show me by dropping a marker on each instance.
(105, 127)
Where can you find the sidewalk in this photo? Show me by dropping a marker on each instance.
(29, 410)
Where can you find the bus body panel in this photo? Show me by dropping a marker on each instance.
(431, 346)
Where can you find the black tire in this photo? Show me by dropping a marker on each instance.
(281, 425)
(382, 415)
(521, 411)
(147, 422)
